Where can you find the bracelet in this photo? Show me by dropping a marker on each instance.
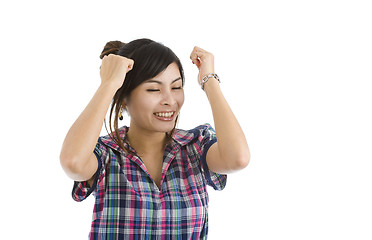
(207, 77)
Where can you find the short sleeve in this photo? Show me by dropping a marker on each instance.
(206, 138)
(82, 190)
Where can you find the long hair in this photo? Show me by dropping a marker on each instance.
(150, 59)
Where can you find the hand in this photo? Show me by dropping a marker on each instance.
(114, 69)
(203, 60)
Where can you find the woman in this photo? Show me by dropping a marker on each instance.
(149, 179)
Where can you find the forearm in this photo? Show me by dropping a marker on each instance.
(83, 134)
(232, 144)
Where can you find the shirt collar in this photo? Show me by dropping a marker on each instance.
(110, 142)
(181, 137)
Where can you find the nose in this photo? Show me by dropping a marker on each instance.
(168, 99)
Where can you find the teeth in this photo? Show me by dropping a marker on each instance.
(164, 114)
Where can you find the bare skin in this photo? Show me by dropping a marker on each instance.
(153, 107)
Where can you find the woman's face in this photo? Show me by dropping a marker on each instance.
(155, 104)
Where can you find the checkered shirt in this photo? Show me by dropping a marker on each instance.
(128, 203)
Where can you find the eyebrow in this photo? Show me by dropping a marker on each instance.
(159, 82)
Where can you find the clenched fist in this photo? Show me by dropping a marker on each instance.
(203, 60)
(114, 69)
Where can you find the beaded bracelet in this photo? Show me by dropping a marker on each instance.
(207, 77)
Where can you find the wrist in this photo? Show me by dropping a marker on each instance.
(109, 87)
(111, 84)
(206, 78)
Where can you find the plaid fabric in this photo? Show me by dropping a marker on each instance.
(128, 203)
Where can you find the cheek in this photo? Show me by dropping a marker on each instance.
(180, 98)
(138, 106)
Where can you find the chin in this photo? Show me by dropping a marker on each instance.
(165, 129)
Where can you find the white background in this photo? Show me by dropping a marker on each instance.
(296, 73)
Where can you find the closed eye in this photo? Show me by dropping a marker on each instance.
(177, 88)
(153, 90)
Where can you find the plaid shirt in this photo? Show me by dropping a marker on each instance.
(128, 203)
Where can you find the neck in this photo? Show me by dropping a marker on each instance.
(146, 142)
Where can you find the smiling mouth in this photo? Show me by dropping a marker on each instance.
(164, 114)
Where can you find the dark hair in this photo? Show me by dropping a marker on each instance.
(150, 58)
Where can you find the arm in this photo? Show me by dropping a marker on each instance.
(77, 157)
(231, 151)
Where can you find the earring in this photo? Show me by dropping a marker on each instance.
(121, 113)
